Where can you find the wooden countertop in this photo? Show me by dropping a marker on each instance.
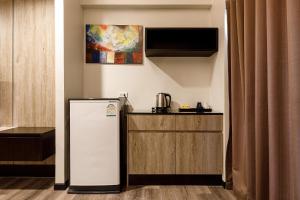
(173, 112)
(26, 131)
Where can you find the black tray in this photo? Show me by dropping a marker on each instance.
(194, 110)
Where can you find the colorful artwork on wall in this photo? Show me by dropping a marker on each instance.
(114, 44)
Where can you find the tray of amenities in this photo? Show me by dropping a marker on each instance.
(194, 110)
(27, 144)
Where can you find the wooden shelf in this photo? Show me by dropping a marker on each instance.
(142, 4)
(27, 144)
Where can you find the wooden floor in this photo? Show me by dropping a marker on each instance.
(42, 188)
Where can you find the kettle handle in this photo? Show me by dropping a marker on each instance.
(169, 100)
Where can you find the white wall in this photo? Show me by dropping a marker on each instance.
(69, 70)
(188, 80)
(219, 86)
(59, 93)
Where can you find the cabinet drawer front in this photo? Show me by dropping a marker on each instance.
(151, 122)
(151, 153)
(199, 153)
(199, 122)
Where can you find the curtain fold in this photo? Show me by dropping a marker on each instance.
(265, 98)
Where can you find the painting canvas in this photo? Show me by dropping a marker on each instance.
(114, 44)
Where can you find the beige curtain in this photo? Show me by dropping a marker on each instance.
(265, 98)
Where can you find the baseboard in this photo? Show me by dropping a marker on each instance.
(7, 170)
(110, 189)
(62, 186)
(170, 179)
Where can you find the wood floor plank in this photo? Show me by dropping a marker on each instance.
(89, 197)
(133, 194)
(65, 196)
(112, 197)
(174, 193)
(153, 193)
(51, 194)
(45, 194)
(4, 186)
(36, 193)
(193, 192)
(6, 183)
(42, 189)
(31, 190)
(207, 197)
(20, 186)
(221, 193)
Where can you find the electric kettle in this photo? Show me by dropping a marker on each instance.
(163, 102)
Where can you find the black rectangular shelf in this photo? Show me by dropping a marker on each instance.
(181, 42)
(27, 144)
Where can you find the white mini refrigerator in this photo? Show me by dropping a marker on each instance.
(94, 146)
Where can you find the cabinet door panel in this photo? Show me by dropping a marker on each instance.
(199, 123)
(199, 153)
(151, 152)
(151, 122)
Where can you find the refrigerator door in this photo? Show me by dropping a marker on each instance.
(94, 143)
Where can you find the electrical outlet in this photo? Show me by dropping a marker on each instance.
(123, 94)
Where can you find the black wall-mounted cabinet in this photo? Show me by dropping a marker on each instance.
(181, 42)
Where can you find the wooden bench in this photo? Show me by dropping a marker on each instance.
(27, 144)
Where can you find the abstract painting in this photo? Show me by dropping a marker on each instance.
(114, 44)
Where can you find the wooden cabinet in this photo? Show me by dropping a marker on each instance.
(199, 153)
(151, 122)
(152, 153)
(175, 144)
(199, 123)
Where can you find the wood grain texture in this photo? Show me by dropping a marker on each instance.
(151, 122)
(199, 122)
(151, 153)
(33, 95)
(42, 189)
(6, 79)
(199, 153)
(48, 161)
